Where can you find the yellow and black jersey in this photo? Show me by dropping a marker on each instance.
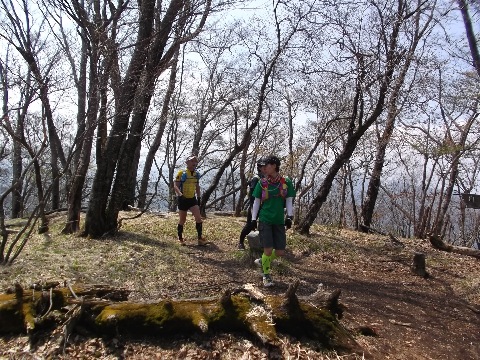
(188, 182)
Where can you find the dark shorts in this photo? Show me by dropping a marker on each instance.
(184, 204)
(272, 236)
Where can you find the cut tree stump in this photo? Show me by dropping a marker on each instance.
(245, 309)
(418, 265)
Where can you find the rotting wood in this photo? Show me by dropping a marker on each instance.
(247, 309)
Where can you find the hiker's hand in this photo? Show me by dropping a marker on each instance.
(288, 222)
(254, 224)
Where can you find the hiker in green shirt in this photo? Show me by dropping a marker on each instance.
(273, 194)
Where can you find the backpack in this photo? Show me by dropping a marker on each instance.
(282, 187)
(251, 186)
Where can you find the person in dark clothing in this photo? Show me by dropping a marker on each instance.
(251, 185)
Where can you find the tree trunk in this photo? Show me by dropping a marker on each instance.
(155, 65)
(17, 169)
(81, 101)
(243, 183)
(321, 196)
(352, 197)
(374, 183)
(95, 222)
(75, 194)
(343, 197)
(472, 41)
(142, 196)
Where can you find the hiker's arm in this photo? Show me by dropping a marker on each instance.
(289, 206)
(197, 189)
(176, 188)
(255, 208)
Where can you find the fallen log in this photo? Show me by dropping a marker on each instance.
(246, 309)
(439, 244)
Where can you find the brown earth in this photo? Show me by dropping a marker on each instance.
(392, 312)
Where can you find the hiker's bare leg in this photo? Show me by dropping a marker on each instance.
(196, 213)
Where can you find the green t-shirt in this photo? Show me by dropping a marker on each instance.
(272, 208)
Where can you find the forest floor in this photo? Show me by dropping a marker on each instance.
(392, 312)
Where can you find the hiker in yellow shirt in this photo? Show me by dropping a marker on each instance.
(186, 186)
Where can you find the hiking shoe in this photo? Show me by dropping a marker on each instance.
(258, 262)
(182, 242)
(241, 246)
(267, 280)
(202, 242)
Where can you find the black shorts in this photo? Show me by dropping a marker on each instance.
(184, 204)
(272, 236)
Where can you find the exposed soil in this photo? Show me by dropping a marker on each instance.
(392, 312)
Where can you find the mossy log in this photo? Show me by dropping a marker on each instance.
(246, 309)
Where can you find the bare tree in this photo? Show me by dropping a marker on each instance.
(387, 46)
(162, 122)
(8, 252)
(433, 156)
(28, 43)
(420, 26)
(27, 93)
(95, 37)
(150, 58)
(287, 27)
